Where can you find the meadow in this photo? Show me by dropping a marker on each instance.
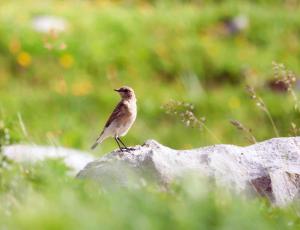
(56, 88)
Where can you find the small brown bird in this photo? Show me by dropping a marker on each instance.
(121, 118)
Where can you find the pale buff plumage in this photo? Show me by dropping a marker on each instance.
(121, 119)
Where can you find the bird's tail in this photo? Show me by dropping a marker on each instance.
(98, 141)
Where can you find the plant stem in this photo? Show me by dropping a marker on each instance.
(210, 132)
(272, 122)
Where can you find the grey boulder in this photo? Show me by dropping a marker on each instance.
(270, 168)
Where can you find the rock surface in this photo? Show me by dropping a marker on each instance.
(270, 168)
(74, 159)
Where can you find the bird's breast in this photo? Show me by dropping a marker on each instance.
(132, 109)
(128, 121)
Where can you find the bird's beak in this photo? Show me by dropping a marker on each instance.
(117, 90)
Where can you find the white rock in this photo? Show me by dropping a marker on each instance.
(46, 23)
(74, 159)
(241, 22)
(270, 168)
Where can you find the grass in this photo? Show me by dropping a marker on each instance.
(50, 199)
(56, 89)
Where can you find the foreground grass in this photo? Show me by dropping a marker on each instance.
(45, 197)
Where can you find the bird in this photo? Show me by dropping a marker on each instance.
(121, 119)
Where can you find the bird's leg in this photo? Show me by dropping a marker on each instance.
(121, 142)
(124, 144)
(116, 139)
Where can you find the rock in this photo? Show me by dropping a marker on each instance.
(47, 23)
(73, 159)
(270, 168)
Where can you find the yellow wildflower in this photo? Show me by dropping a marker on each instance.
(82, 88)
(24, 59)
(66, 61)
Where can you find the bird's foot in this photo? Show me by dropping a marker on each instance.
(130, 149)
(126, 149)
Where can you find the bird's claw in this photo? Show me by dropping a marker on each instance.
(127, 149)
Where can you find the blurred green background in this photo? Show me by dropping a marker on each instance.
(56, 88)
(202, 52)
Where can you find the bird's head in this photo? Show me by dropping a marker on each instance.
(125, 92)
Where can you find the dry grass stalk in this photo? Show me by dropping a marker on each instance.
(262, 106)
(295, 130)
(247, 131)
(185, 112)
(282, 74)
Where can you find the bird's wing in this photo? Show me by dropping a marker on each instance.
(120, 110)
